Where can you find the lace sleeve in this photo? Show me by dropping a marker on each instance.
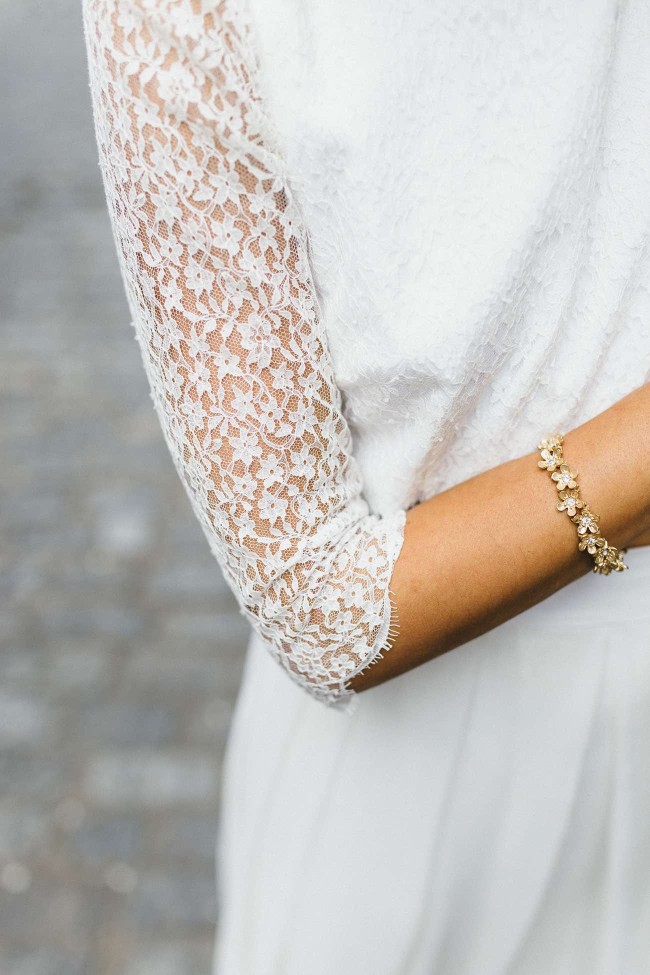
(215, 264)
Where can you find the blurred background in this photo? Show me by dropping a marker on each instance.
(122, 647)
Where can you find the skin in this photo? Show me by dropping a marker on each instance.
(643, 539)
(489, 548)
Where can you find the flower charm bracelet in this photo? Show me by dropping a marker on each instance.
(606, 557)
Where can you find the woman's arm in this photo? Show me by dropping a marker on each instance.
(485, 550)
(640, 540)
(214, 256)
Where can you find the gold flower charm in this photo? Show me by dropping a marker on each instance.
(551, 448)
(608, 560)
(550, 459)
(564, 477)
(551, 442)
(570, 501)
(591, 543)
(587, 522)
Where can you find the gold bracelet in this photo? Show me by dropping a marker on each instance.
(606, 557)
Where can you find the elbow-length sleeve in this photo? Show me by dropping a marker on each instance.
(214, 259)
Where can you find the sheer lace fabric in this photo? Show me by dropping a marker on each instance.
(215, 261)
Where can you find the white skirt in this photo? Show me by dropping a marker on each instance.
(488, 812)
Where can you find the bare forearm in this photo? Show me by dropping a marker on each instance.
(487, 549)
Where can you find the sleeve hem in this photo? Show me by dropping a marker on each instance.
(348, 699)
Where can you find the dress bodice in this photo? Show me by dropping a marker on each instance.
(476, 184)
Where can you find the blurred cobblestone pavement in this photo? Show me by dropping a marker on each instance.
(122, 647)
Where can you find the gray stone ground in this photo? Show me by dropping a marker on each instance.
(121, 646)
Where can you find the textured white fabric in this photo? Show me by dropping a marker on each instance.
(468, 192)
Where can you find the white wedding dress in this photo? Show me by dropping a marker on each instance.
(372, 249)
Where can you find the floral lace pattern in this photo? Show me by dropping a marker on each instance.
(214, 258)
